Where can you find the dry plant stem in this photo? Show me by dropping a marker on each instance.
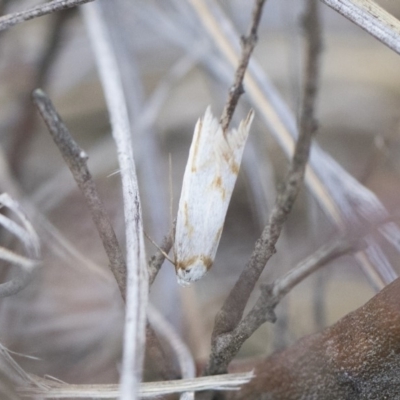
(50, 389)
(25, 128)
(372, 18)
(157, 260)
(324, 173)
(248, 44)
(271, 295)
(231, 313)
(76, 159)
(324, 255)
(137, 280)
(7, 21)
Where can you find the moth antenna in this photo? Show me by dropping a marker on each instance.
(159, 249)
(171, 202)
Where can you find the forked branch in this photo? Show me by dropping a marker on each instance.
(231, 313)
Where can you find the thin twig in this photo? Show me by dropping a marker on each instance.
(334, 188)
(157, 260)
(9, 20)
(137, 283)
(272, 294)
(25, 127)
(371, 17)
(76, 159)
(230, 343)
(248, 43)
(232, 311)
(324, 255)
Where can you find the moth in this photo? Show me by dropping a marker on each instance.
(210, 175)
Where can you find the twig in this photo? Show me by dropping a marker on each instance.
(232, 311)
(137, 283)
(76, 159)
(9, 20)
(322, 256)
(372, 18)
(25, 127)
(333, 187)
(158, 258)
(263, 311)
(272, 294)
(248, 44)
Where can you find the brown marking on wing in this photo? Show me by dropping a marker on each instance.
(196, 145)
(227, 154)
(234, 167)
(188, 225)
(218, 184)
(183, 264)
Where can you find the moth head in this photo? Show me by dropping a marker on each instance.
(191, 272)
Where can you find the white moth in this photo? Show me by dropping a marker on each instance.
(208, 182)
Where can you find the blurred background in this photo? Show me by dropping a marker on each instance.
(71, 314)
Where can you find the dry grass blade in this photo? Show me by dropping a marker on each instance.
(25, 263)
(13, 376)
(26, 234)
(371, 17)
(147, 390)
(137, 283)
(7, 21)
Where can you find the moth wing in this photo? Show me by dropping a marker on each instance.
(209, 179)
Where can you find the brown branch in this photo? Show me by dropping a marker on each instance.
(356, 358)
(157, 260)
(248, 44)
(76, 159)
(25, 127)
(9, 20)
(230, 343)
(231, 313)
